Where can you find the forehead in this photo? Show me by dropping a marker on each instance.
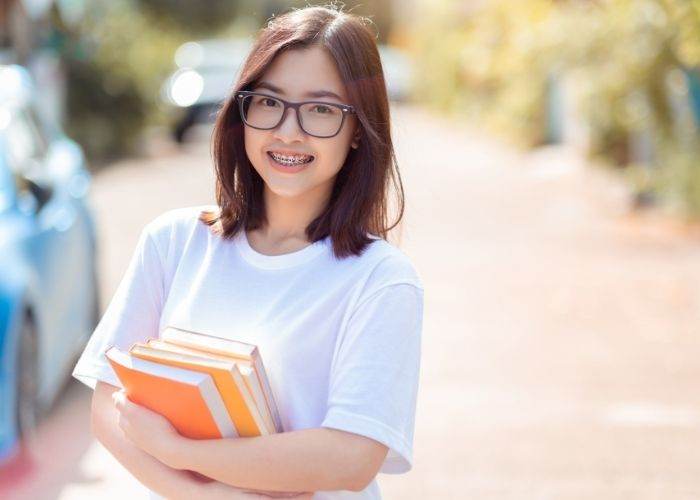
(299, 72)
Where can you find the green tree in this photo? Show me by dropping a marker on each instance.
(630, 57)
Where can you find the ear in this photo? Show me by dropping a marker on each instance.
(356, 139)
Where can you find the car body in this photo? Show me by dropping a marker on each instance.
(48, 282)
(207, 70)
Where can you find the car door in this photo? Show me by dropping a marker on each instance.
(66, 165)
(51, 249)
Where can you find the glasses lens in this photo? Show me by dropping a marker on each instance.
(321, 120)
(261, 111)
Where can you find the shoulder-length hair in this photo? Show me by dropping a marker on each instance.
(358, 205)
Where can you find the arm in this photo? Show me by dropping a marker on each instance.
(306, 460)
(156, 476)
(149, 471)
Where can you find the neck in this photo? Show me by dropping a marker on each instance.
(287, 218)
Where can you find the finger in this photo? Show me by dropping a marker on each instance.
(127, 406)
(122, 422)
(120, 400)
(250, 493)
(282, 494)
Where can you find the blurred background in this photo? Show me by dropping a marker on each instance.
(550, 155)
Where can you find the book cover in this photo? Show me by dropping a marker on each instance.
(226, 376)
(244, 366)
(233, 348)
(188, 399)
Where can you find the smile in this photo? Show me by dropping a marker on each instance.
(290, 159)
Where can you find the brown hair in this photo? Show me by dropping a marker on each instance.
(358, 203)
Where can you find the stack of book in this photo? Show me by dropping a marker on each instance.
(207, 387)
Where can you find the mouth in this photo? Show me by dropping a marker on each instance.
(290, 159)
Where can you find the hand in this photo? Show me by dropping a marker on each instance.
(224, 491)
(272, 494)
(279, 494)
(147, 429)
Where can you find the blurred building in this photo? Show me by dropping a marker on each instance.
(26, 38)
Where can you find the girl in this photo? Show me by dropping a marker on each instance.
(293, 258)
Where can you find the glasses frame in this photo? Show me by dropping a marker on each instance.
(242, 94)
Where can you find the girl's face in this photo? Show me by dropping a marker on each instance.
(300, 75)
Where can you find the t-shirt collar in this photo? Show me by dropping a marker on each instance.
(282, 261)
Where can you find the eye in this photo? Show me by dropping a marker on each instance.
(268, 102)
(323, 110)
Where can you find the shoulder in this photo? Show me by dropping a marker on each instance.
(176, 221)
(389, 290)
(171, 231)
(385, 264)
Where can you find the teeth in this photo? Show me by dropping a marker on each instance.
(290, 160)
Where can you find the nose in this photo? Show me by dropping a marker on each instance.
(289, 130)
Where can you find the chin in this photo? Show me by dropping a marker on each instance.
(287, 191)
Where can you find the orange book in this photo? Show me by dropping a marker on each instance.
(228, 380)
(188, 399)
(244, 367)
(233, 349)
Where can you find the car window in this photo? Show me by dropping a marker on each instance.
(26, 146)
(41, 126)
(6, 183)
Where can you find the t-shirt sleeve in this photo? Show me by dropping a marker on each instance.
(133, 314)
(375, 371)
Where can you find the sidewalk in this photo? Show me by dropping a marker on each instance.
(561, 336)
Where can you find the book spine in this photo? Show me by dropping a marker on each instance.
(248, 402)
(217, 408)
(267, 390)
(254, 387)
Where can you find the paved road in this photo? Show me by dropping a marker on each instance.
(561, 337)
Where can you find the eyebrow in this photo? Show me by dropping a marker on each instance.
(315, 93)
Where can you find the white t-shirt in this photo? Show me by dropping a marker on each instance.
(340, 339)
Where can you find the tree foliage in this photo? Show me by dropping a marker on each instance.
(630, 60)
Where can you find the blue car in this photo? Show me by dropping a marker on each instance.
(48, 282)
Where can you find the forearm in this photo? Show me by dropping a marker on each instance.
(166, 481)
(306, 460)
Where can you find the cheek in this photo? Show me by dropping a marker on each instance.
(334, 151)
(248, 140)
(332, 155)
(253, 145)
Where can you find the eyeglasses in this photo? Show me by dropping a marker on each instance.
(316, 118)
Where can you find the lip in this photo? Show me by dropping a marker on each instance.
(288, 152)
(286, 170)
